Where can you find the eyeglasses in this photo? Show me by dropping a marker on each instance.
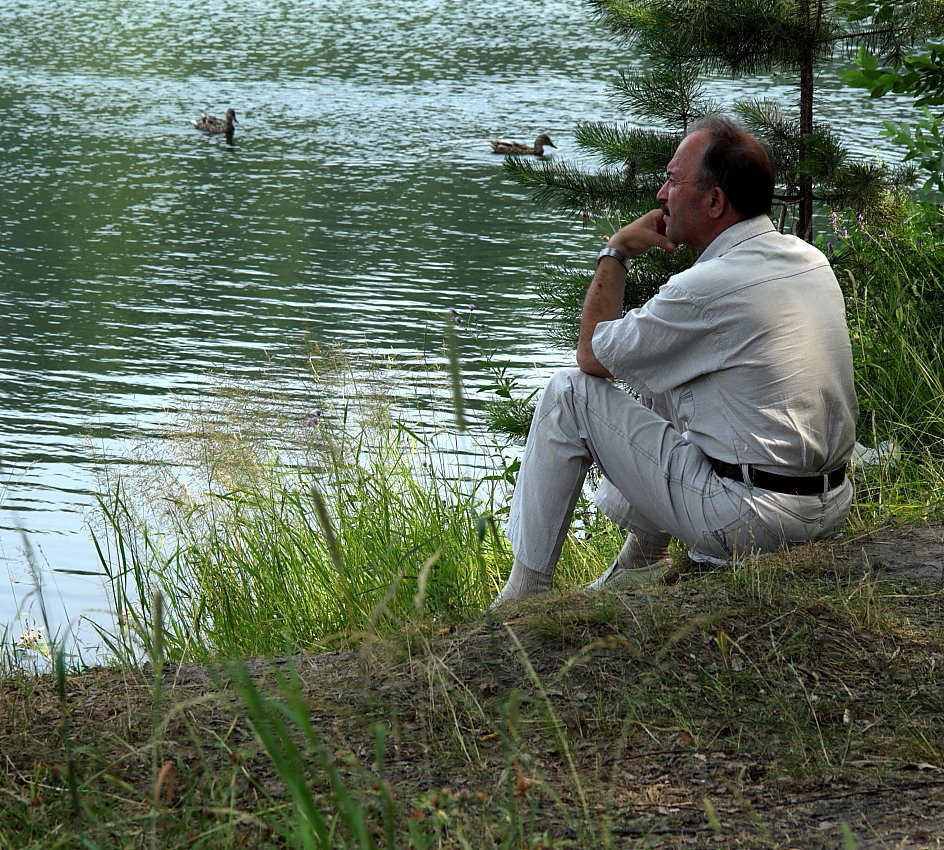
(673, 182)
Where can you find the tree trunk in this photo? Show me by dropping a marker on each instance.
(805, 212)
(811, 11)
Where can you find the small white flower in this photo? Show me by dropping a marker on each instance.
(33, 637)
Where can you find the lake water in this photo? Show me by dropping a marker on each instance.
(358, 203)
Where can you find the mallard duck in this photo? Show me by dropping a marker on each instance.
(212, 124)
(540, 142)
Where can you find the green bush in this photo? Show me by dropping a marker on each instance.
(895, 301)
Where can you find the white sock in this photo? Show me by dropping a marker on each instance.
(637, 553)
(522, 582)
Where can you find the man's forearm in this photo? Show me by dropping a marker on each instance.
(604, 299)
(602, 303)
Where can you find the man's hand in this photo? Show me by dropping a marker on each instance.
(637, 237)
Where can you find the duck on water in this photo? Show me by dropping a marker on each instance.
(211, 124)
(537, 149)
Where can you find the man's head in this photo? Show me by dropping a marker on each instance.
(719, 175)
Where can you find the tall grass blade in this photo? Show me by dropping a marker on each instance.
(558, 732)
(312, 829)
(455, 376)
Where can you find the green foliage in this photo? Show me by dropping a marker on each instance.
(895, 303)
(757, 36)
(641, 154)
(794, 37)
(920, 77)
(670, 96)
(738, 37)
(562, 292)
(263, 542)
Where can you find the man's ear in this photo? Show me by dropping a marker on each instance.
(717, 202)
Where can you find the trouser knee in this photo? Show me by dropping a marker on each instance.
(565, 382)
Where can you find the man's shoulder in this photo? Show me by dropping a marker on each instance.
(747, 258)
(757, 242)
(752, 233)
(747, 230)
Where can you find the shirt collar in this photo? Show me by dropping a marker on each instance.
(735, 235)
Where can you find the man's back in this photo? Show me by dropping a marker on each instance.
(751, 348)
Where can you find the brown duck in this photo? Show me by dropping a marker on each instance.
(537, 149)
(211, 124)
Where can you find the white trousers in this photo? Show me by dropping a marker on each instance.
(656, 484)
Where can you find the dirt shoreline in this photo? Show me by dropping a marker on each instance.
(652, 796)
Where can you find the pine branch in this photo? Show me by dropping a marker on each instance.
(639, 151)
(823, 154)
(668, 94)
(868, 189)
(735, 36)
(563, 187)
(781, 134)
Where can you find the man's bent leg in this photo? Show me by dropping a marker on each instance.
(566, 437)
(553, 469)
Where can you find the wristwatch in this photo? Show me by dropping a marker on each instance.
(616, 255)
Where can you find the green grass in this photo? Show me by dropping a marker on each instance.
(601, 720)
(304, 555)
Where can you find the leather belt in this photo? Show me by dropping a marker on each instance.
(781, 483)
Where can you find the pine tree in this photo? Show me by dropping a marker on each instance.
(684, 39)
(736, 37)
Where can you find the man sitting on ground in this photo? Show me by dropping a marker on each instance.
(739, 440)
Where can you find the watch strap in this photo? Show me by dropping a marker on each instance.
(616, 255)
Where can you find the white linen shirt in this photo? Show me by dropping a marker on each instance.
(747, 353)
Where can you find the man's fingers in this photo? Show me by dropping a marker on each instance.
(647, 231)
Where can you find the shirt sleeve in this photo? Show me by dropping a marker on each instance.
(663, 344)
